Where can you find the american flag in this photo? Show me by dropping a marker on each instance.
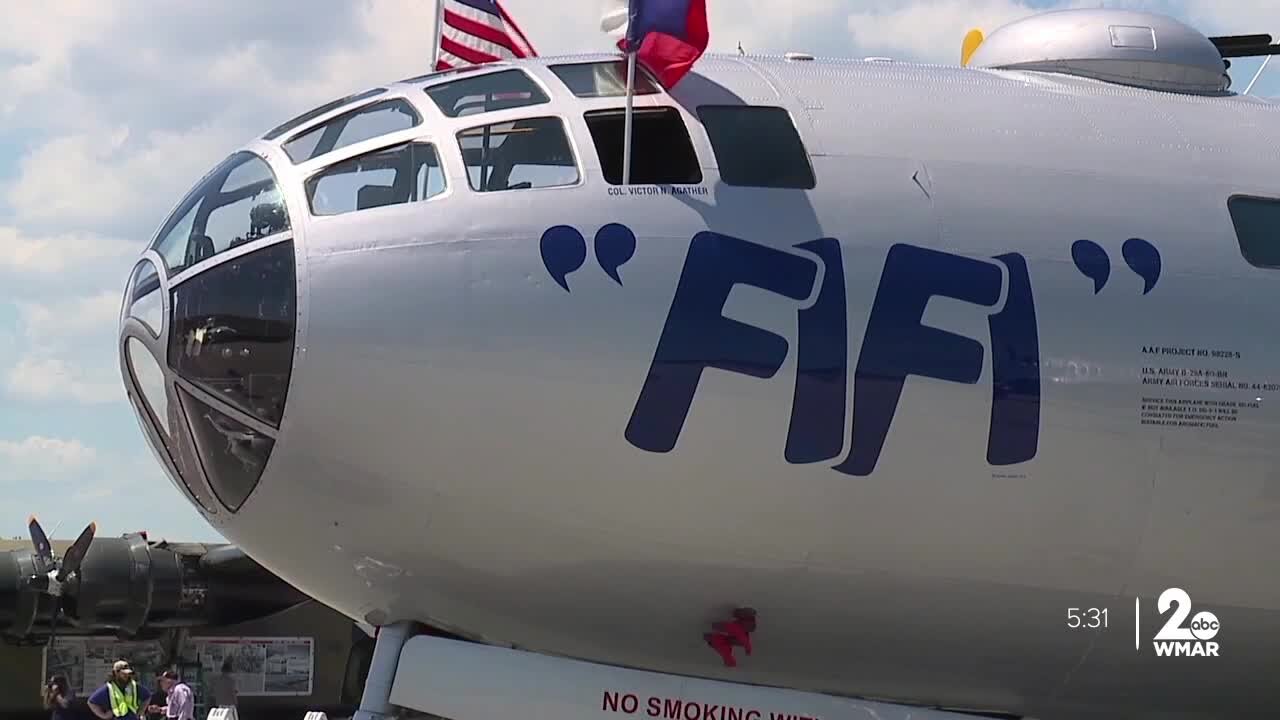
(473, 32)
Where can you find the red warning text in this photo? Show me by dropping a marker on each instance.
(678, 709)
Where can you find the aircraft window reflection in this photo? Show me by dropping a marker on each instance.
(1257, 225)
(150, 380)
(233, 454)
(380, 118)
(520, 155)
(314, 113)
(237, 203)
(485, 93)
(757, 146)
(144, 297)
(602, 79)
(391, 176)
(233, 330)
(661, 151)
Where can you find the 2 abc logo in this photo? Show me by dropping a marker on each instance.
(1191, 640)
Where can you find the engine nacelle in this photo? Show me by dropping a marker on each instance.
(126, 585)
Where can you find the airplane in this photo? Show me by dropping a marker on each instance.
(881, 389)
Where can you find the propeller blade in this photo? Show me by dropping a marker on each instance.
(44, 552)
(971, 42)
(75, 554)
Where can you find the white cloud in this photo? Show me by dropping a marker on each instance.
(52, 378)
(930, 30)
(68, 351)
(69, 318)
(46, 455)
(24, 253)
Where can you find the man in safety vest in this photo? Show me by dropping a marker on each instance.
(120, 698)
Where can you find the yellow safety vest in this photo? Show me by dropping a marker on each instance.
(123, 702)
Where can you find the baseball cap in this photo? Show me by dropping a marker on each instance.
(121, 665)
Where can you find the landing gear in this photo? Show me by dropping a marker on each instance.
(375, 703)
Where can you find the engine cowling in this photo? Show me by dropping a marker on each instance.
(128, 585)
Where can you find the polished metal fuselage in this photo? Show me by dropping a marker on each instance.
(454, 447)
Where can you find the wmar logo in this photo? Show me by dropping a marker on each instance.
(1193, 640)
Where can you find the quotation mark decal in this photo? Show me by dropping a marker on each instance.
(1093, 262)
(564, 251)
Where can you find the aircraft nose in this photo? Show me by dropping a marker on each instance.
(206, 354)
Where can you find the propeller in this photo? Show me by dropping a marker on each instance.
(51, 573)
(972, 40)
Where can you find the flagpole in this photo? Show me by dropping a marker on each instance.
(626, 129)
(435, 59)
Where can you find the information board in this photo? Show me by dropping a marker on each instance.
(261, 666)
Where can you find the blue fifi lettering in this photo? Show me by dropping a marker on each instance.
(698, 336)
(896, 345)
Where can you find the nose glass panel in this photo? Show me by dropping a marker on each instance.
(144, 297)
(237, 203)
(150, 379)
(156, 409)
(233, 331)
(234, 454)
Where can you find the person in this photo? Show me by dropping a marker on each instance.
(223, 687)
(120, 697)
(154, 709)
(58, 698)
(180, 702)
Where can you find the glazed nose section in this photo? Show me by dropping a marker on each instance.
(207, 345)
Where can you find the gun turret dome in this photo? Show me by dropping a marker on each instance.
(1119, 46)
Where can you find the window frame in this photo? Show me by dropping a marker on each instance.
(354, 112)
(514, 115)
(711, 144)
(1235, 229)
(423, 139)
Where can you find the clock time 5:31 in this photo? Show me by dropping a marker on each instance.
(1091, 618)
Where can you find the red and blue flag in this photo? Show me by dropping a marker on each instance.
(668, 36)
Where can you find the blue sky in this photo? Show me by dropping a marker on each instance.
(110, 111)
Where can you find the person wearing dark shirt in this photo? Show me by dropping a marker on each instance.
(121, 697)
(58, 698)
(154, 709)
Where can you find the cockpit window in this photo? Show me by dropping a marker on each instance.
(1256, 220)
(391, 176)
(661, 151)
(370, 121)
(237, 203)
(520, 155)
(310, 115)
(602, 79)
(757, 146)
(485, 93)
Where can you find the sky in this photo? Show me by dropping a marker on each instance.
(110, 110)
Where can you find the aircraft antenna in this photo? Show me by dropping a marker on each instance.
(1258, 74)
